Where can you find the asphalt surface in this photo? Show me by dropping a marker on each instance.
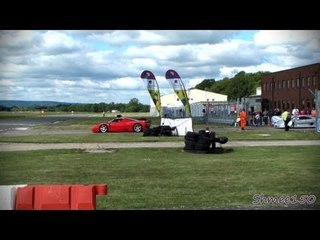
(24, 123)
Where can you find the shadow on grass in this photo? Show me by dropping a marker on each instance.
(218, 150)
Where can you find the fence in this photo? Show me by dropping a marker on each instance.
(216, 112)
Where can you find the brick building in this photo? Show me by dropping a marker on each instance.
(291, 88)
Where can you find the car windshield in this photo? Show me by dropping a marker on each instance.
(304, 117)
(115, 120)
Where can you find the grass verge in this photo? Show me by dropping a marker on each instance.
(174, 179)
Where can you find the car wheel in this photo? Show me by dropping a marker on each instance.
(103, 128)
(137, 127)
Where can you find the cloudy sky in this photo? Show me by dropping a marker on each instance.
(105, 66)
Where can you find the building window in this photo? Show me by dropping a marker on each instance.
(267, 86)
(264, 87)
(297, 82)
(288, 84)
(283, 84)
(314, 80)
(308, 81)
(292, 83)
(302, 80)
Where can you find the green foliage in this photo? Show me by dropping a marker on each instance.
(4, 108)
(221, 86)
(135, 106)
(205, 84)
(132, 106)
(241, 85)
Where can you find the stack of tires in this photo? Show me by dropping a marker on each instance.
(166, 130)
(152, 131)
(202, 142)
(163, 130)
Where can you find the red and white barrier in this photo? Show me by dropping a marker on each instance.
(50, 197)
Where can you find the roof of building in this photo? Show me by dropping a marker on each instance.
(289, 69)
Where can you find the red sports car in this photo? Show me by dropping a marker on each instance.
(122, 124)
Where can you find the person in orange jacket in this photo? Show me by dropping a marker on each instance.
(243, 119)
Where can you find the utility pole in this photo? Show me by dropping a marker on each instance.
(207, 111)
(272, 89)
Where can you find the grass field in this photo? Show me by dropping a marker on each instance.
(174, 179)
(140, 178)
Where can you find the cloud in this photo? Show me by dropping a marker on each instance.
(160, 37)
(105, 66)
(278, 37)
(289, 48)
(19, 39)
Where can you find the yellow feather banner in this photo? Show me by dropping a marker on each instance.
(173, 77)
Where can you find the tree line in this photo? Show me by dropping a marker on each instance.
(241, 85)
(132, 106)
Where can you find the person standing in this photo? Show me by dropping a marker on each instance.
(243, 119)
(286, 118)
(294, 115)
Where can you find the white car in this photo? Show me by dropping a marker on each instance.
(301, 121)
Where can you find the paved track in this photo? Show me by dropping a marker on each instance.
(101, 146)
